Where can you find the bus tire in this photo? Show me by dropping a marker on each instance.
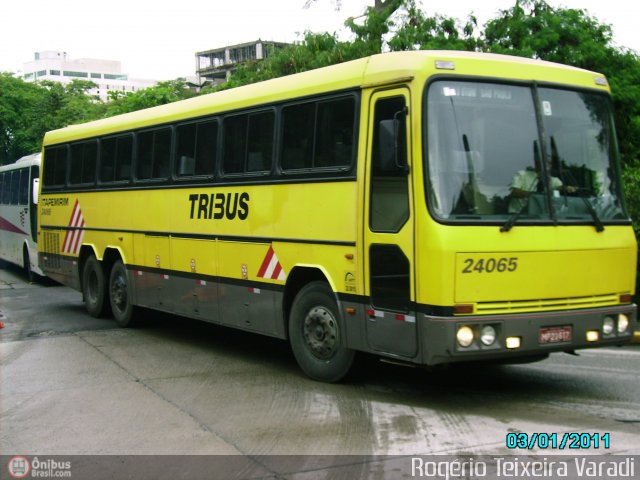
(94, 289)
(315, 335)
(120, 295)
(31, 277)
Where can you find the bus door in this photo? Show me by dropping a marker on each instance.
(389, 227)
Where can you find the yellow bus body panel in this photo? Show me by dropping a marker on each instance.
(550, 267)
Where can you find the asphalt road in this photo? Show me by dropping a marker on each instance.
(74, 385)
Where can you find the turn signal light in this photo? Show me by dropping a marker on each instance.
(625, 298)
(463, 309)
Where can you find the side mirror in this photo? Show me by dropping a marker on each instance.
(35, 189)
(392, 141)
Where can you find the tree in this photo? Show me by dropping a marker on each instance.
(160, 94)
(29, 110)
(417, 31)
(370, 35)
(17, 117)
(534, 29)
(67, 104)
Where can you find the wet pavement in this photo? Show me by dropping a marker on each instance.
(74, 385)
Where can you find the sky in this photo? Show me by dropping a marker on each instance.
(158, 40)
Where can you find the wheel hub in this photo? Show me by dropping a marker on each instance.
(119, 292)
(321, 332)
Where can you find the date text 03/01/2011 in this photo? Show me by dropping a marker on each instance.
(558, 441)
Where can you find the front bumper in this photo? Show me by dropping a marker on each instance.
(439, 345)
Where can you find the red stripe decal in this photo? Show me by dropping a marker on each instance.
(10, 227)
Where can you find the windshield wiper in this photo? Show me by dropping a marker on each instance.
(511, 221)
(592, 211)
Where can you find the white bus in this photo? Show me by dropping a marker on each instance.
(18, 213)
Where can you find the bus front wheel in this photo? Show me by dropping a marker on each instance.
(26, 260)
(315, 335)
(120, 295)
(93, 287)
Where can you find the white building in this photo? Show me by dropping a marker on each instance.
(107, 74)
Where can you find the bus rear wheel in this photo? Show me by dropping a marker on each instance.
(93, 287)
(120, 295)
(315, 334)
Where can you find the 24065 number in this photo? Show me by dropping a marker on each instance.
(490, 265)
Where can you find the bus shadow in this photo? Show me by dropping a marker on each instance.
(404, 383)
(13, 273)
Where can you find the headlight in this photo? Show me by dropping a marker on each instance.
(465, 336)
(488, 335)
(608, 325)
(623, 323)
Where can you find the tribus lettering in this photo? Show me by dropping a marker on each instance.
(219, 205)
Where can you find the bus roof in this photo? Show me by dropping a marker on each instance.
(378, 69)
(27, 160)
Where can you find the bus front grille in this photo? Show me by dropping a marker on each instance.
(547, 304)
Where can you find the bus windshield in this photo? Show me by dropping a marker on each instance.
(497, 153)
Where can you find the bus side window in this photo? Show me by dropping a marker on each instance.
(124, 158)
(196, 148)
(318, 134)
(6, 188)
(24, 187)
(161, 153)
(15, 187)
(298, 123)
(55, 166)
(186, 150)
(260, 142)
(235, 139)
(107, 159)
(83, 163)
(206, 147)
(154, 154)
(334, 133)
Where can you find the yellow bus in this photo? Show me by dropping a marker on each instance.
(428, 207)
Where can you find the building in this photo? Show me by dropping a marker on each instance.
(59, 67)
(214, 66)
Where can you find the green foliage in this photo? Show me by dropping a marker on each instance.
(377, 24)
(29, 110)
(66, 104)
(417, 31)
(16, 136)
(631, 186)
(160, 94)
(534, 29)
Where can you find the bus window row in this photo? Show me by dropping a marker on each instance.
(14, 187)
(313, 136)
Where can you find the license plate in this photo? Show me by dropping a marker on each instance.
(554, 334)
